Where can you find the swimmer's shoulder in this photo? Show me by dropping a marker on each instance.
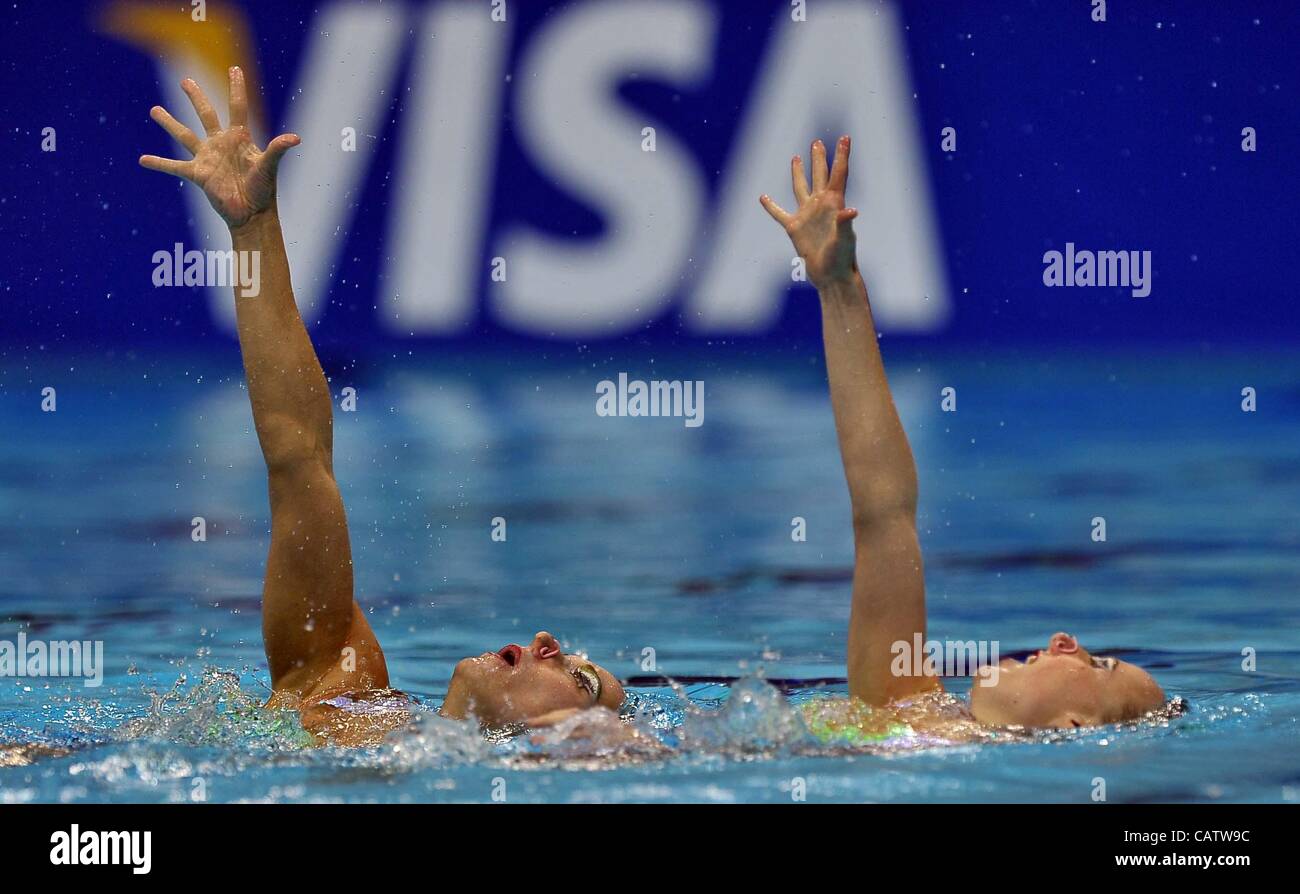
(354, 719)
(930, 718)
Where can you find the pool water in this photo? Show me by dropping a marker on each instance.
(663, 551)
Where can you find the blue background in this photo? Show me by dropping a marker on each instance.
(1117, 135)
(633, 532)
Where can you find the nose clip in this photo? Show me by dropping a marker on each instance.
(547, 647)
(1063, 643)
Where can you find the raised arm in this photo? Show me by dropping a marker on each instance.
(318, 642)
(888, 581)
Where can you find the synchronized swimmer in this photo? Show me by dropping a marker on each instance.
(325, 660)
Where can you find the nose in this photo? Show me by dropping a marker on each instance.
(1062, 644)
(544, 646)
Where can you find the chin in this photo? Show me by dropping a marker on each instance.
(994, 709)
(984, 712)
(466, 669)
(462, 689)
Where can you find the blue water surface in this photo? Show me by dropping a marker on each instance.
(663, 549)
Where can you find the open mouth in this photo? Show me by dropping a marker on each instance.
(510, 654)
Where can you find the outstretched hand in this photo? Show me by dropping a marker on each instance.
(821, 228)
(236, 176)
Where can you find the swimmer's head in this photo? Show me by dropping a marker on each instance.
(1064, 686)
(516, 684)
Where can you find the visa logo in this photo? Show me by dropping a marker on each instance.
(666, 245)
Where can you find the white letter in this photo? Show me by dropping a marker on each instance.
(351, 58)
(59, 853)
(1052, 273)
(143, 854)
(694, 409)
(572, 121)
(846, 67)
(1141, 265)
(605, 398)
(445, 164)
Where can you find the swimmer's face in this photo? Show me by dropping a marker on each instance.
(1064, 686)
(517, 684)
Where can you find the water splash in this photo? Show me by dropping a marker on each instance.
(755, 718)
(427, 741)
(151, 744)
(215, 710)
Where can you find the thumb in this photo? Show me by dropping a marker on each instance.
(844, 219)
(276, 149)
